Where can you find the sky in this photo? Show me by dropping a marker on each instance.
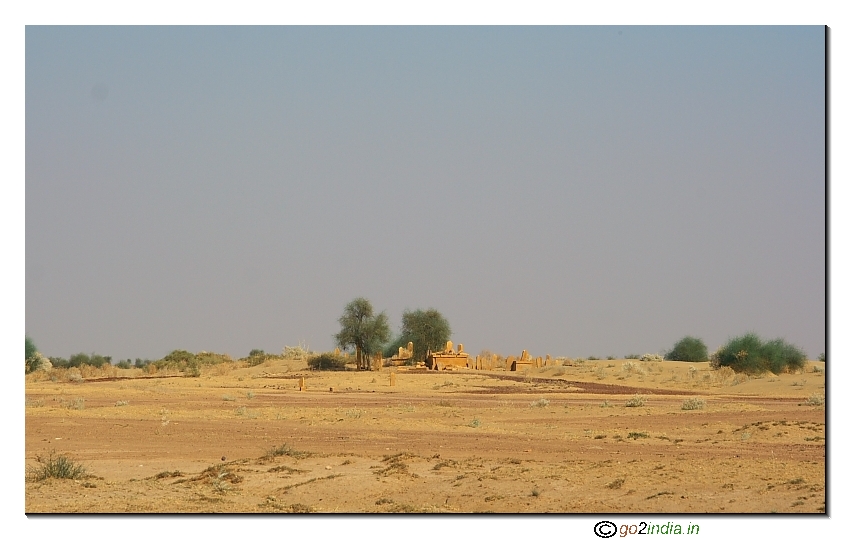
(571, 191)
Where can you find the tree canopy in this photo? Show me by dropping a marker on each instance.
(427, 329)
(363, 330)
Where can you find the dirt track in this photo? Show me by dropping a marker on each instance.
(550, 440)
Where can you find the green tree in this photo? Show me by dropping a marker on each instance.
(31, 356)
(688, 349)
(363, 330)
(427, 329)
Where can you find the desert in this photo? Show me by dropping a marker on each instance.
(567, 436)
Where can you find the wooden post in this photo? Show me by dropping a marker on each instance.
(392, 379)
(302, 385)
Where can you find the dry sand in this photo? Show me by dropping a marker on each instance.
(552, 439)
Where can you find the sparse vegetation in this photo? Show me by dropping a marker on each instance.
(542, 402)
(616, 484)
(815, 399)
(53, 466)
(693, 404)
(636, 401)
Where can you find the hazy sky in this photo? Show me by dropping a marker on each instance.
(567, 190)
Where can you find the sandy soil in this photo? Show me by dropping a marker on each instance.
(552, 439)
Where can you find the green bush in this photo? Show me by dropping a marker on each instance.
(748, 354)
(822, 357)
(326, 361)
(125, 364)
(31, 356)
(688, 349)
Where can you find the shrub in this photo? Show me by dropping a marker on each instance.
(53, 466)
(822, 357)
(652, 357)
(326, 361)
(632, 357)
(692, 404)
(31, 356)
(748, 354)
(636, 401)
(688, 349)
(542, 402)
(124, 365)
(814, 399)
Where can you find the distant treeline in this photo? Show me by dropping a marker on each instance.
(95, 360)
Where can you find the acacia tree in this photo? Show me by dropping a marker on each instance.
(427, 329)
(363, 330)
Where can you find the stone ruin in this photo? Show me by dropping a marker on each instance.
(448, 359)
(404, 355)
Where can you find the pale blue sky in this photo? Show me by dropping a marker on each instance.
(566, 190)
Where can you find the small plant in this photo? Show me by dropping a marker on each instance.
(605, 404)
(638, 435)
(285, 450)
(121, 403)
(542, 402)
(77, 403)
(249, 395)
(53, 466)
(241, 411)
(814, 399)
(692, 404)
(652, 357)
(616, 484)
(535, 492)
(228, 398)
(475, 423)
(34, 403)
(636, 401)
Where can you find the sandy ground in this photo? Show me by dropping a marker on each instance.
(552, 439)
